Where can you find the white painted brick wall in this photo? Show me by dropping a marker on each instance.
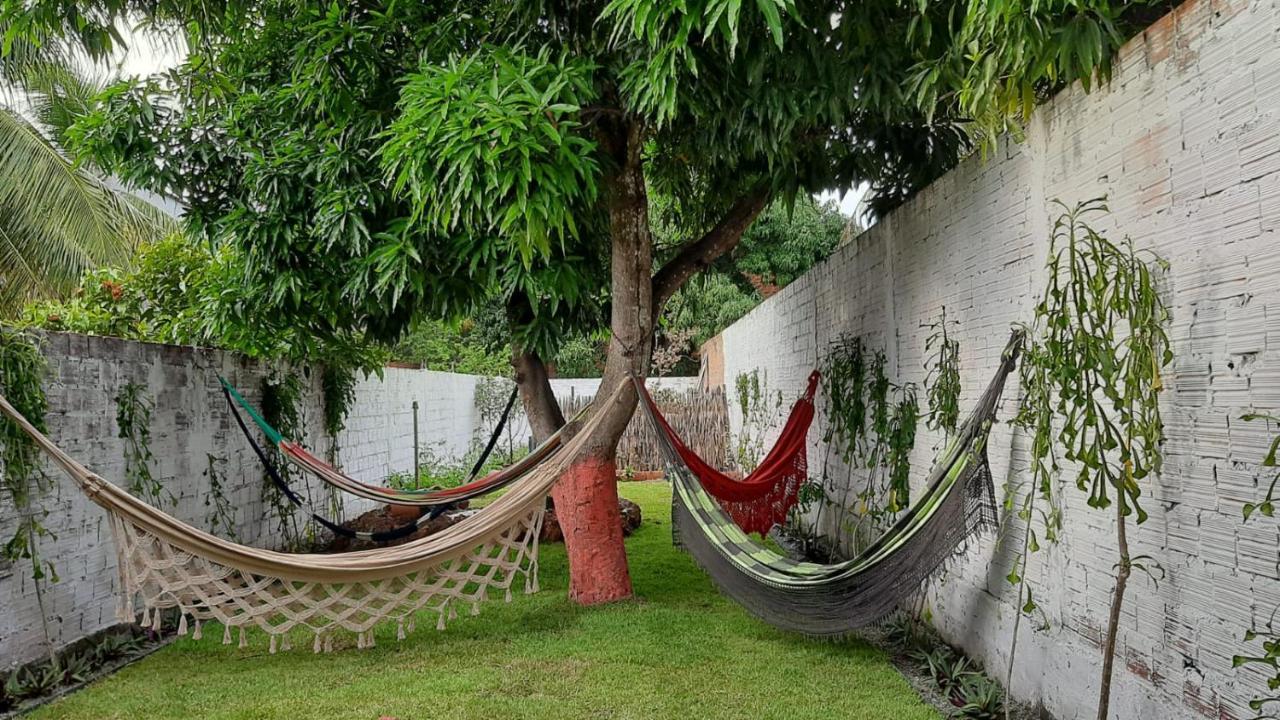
(1185, 141)
(189, 422)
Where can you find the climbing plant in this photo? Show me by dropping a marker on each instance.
(1092, 379)
(221, 517)
(338, 391)
(1268, 656)
(871, 425)
(22, 368)
(133, 418)
(942, 379)
(281, 397)
(760, 408)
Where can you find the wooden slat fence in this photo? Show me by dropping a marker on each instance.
(701, 417)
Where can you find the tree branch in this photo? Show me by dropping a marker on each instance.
(698, 255)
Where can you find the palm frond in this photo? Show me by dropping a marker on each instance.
(59, 219)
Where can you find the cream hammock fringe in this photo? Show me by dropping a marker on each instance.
(166, 563)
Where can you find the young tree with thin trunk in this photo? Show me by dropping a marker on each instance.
(378, 161)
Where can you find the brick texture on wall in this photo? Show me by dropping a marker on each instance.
(191, 423)
(1185, 143)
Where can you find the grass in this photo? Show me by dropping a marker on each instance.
(679, 650)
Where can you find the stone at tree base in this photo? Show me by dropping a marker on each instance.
(630, 512)
(385, 518)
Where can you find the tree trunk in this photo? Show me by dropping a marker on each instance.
(586, 498)
(539, 401)
(1113, 623)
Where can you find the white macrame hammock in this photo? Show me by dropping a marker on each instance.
(165, 563)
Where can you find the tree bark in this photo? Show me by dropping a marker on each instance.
(539, 401)
(1123, 570)
(586, 498)
(700, 254)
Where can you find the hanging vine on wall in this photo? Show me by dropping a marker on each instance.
(871, 425)
(281, 397)
(338, 391)
(760, 407)
(133, 418)
(1092, 377)
(22, 368)
(221, 517)
(942, 377)
(1268, 656)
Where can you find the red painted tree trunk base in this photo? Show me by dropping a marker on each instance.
(586, 500)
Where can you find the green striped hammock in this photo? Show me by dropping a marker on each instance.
(299, 456)
(835, 599)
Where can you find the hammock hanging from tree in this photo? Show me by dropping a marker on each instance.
(166, 563)
(296, 454)
(835, 599)
(764, 497)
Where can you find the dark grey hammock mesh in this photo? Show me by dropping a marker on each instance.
(835, 599)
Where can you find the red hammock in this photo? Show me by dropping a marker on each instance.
(762, 499)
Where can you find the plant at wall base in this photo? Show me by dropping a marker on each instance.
(1269, 659)
(22, 369)
(844, 404)
(281, 397)
(981, 698)
(133, 418)
(221, 517)
(942, 379)
(1096, 356)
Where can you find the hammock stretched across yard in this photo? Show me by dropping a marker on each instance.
(300, 456)
(763, 498)
(166, 563)
(835, 599)
(507, 475)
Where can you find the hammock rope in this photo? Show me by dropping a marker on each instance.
(828, 600)
(764, 497)
(299, 456)
(166, 563)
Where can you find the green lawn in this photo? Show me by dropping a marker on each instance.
(678, 651)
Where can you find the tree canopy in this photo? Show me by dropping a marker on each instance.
(378, 160)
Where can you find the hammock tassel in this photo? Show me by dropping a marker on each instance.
(359, 641)
(411, 625)
(328, 643)
(182, 625)
(508, 593)
(400, 630)
(146, 617)
(272, 647)
(124, 608)
(453, 612)
(440, 622)
(244, 641)
(226, 634)
(370, 641)
(475, 608)
(316, 647)
(197, 633)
